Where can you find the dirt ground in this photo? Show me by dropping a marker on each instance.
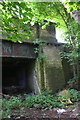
(50, 114)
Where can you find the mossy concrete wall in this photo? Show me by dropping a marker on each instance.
(50, 73)
(67, 68)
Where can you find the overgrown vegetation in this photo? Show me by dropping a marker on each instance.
(45, 100)
(71, 54)
(17, 19)
(39, 50)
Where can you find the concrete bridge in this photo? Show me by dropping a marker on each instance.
(20, 67)
(18, 50)
(22, 71)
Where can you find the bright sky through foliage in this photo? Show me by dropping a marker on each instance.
(60, 36)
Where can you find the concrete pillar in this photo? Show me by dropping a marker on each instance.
(53, 72)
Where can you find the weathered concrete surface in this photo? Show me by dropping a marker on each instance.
(52, 77)
(40, 74)
(25, 50)
(48, 34)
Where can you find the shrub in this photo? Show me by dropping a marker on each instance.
(8, 105)
(74, 95)
(44, 100)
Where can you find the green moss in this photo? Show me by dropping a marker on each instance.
(40, 71)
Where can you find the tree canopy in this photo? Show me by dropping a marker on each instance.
(17, 15)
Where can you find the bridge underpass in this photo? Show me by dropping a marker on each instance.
(18, 65)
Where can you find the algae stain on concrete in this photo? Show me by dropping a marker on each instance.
(40, 74)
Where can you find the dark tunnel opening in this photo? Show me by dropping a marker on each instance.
(17, 75)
